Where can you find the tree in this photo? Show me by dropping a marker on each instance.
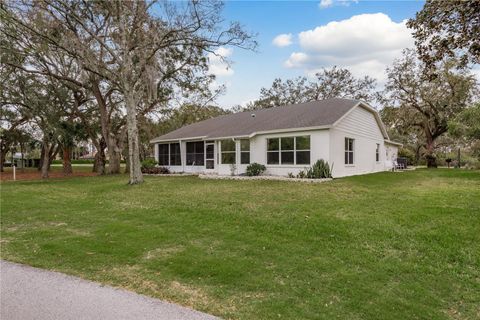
(69, 133)
(340, 83)
(428, 105)
(446, 29)
(466, 128)
(11, 122)
(143, 51)
(467, 123)
(329, 83)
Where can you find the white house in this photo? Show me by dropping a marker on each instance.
(349, 134)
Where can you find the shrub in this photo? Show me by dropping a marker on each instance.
(471, 163)
(255, 169)
(155, 170)
(302, 174)
(148, 163)
(319, 170)
(408, 154)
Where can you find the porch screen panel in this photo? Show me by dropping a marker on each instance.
(163, 154)
(195, 153)
(175, 156)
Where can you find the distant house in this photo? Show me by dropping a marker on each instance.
(347, 133)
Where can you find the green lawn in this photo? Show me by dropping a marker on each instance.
(381, 246)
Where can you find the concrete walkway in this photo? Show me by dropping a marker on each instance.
(31, 293)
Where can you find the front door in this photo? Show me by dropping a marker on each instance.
(209, 156)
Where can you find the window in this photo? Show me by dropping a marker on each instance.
(349, 144)
(169, 154)
(302, 149)
(227, 151)
(273, 151)
(287, 147)
(245, 151)
(288, 150)
(195, 153)
(377, 153)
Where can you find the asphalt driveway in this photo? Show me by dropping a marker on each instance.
(31, 293)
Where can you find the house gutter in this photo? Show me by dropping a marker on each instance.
(394, 143)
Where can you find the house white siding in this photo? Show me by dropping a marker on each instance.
(359, 124)
(319, 149)
(391, 154)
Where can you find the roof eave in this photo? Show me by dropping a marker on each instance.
(157, 140)
(394, 143)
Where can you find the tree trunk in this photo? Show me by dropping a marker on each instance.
(99, 164)
(42, 158)
(114, 154)
(430, 154)
(127, 165)
(67, 162)
(22, 151)
(136, 176)
(114, 159)
(54, 150)
(2, 159)
(127, 159)
(46, 157)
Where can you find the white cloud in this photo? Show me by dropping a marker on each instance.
(365, 44)
(325, 3)
(283, 40)
(330, 3)
(217, 64)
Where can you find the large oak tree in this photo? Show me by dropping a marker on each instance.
(424, 105)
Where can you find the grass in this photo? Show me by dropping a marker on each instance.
(380, 246)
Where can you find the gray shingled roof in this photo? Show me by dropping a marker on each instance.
(310, 114)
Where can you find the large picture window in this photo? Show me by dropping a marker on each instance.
(245, 151)
(195, 153)
(227, 151)
(349, 147)
(169, 154)
(288, 150)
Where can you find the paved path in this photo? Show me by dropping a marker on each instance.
(31, 293)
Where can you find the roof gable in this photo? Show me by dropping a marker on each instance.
(370, 109)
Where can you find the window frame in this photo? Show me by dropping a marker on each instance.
(280, 151)
(377, 153)
(348, 151)
(242, 151)
(234, 152)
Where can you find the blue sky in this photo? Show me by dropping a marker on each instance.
(367, 35)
